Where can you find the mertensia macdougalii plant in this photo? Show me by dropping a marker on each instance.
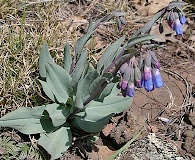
(85, 96)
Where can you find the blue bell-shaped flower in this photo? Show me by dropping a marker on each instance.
(157, 79)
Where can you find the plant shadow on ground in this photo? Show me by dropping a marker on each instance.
(20, 58)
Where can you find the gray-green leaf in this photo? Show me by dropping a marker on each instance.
(174, 4)
(25, 120)
(58, 113)
(56, 142)
(111, 104)
(44, 58)
(149, 24)
(80, 43)
(67, 58)
(139, 39)
(96, 114)
(109, 55)
(91, 126)
(47, 90)
(90, 27)
(79, 68)
(83, 88)
(58, 81)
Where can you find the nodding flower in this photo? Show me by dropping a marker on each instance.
(147, 72)
(148, 83)
(138, 77)
(123, 67)
(178, 27)
(154, 60)
(127, 71)
(130, 89)
(157, 79)
(182, 19)
(175, 20)
(125, 77)
(151, 76)
(124, 84)
(143, 74)
(171, 23)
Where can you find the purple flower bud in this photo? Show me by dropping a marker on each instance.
(171, 24)
(172, 16)
(141, 61)
(132, 76)
(182, 19)
(155, 60)
(123, 68)
(119, 24)
(130, 90)
(178, 27)
(168, 16)
(139, 83)
(138, 77)
(122, 19)
(157, 79)
(147, 73)
(157, 65)
(127, 72)
(148, 59)
(148, 84)
(123, 84)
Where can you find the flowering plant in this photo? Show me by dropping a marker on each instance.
(85, 96)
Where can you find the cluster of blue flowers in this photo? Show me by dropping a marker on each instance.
(175, 20)
(143, 74)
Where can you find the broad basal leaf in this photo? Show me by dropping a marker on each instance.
(44, 58)
(25, 120)
(109, 55)
(67, 58)
(47, 123)
(83, 88)
(57, 142)
(91, 126)
(97, 111)
(58, 81)
(47, 90)
(111, 104)
(58, 113)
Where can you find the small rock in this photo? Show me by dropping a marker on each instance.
(192, 118)
(103, 153)
(189, 133)
(109, 127)
(152, 129)
(189, 145)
